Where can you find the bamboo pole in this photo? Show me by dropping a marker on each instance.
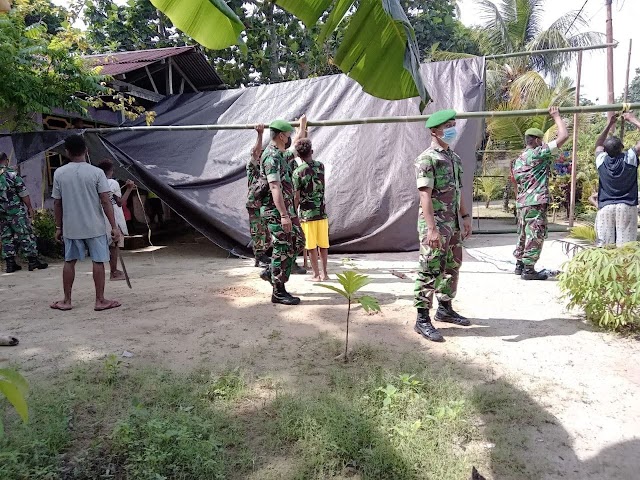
(574, 152)
(626, 89)
(373, 120)
(552, 50)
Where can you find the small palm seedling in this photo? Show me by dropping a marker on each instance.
(351, 282)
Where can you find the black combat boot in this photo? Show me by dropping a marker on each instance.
(266, 275)
(12, 266)
(280, 295)
(264, 260)
(529, 273)
(425, 328)
(519, 268)
(35, 263)
(446, 313)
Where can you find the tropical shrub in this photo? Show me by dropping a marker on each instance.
(605, 283)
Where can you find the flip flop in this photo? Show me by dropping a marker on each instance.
(112, 304)
(8, 341)
(57, 306)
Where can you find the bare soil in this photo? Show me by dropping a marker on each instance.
(577, 388)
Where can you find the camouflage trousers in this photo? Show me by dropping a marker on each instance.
(17, 230)
(439, 267)
(532, 230)
(286, 247)
(260, 236)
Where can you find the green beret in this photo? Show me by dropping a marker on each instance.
(281, 126)
(441, 116)
(534, 132)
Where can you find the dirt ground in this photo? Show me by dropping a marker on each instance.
(190, 305)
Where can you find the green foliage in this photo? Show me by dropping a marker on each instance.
(351, 283)
(559, 187)
(490, 186)
(111, 368)
(381, 425)
(135, 25)
(634, 88)
(228, 386)
(152, 445)
(387, 67)
(44, 224)
(38, 73)
(586, 232)
(14, 388)
(150, 424)
(605, 282)
(437, 28)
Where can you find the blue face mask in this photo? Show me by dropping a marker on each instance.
(449, 134)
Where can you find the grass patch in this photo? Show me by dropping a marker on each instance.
(101, 422)
(379, 417)
(379, 424)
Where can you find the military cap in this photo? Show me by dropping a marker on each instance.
(281, 126)
(534, 132)
(440, 117)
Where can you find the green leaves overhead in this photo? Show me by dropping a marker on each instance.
(379, 50)
(210, 22)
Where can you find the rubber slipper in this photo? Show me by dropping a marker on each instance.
(112, 304)
(58, 306)
(8, 341)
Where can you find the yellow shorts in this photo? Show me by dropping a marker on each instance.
(316, 233)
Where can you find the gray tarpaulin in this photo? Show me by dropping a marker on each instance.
(371, 197)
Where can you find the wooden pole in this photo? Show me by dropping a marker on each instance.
(626, 90)
(610, 95)
(574, 153)
(616, 107)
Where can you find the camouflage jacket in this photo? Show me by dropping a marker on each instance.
(308, 178)
(253, 176)
(12, 189)
(275, 166)
(531, 172)
(440, 170)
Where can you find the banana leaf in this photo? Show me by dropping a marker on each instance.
(379, 49)
(209, 22)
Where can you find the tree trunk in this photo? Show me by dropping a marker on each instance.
(346, 342)
(274, 51)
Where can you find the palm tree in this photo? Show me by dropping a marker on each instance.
(516, 26)
(528, 91)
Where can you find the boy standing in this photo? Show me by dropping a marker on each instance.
(308, 181)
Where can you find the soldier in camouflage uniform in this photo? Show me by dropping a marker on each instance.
(260, 236)
(278, 208)
(438, 176)
(308, 181)
(14, 219)
(531, 172)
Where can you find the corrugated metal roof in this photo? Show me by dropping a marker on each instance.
(114, 69)
(151, 55)
(192, 62)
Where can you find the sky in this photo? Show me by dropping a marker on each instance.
(626, 14)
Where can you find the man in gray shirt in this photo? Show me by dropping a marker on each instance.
(81, 193)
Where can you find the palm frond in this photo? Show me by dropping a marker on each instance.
(496, 25)
(527, 90)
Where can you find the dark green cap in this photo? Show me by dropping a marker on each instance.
(441, 116)
(281, 125)
(534, 132)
